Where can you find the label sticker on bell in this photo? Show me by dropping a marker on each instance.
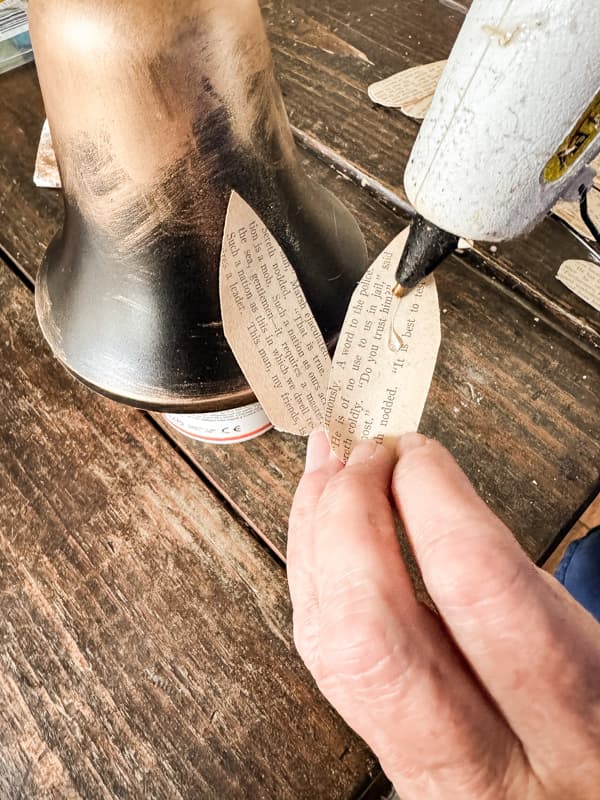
(223, 427)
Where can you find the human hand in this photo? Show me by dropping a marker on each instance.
(498, 697)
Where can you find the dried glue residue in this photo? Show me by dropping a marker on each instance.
(395, 341)
(385, 358)
(504, 38)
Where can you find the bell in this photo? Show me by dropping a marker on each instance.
(158, 111)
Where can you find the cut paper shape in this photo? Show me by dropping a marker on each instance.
(411, 90)
(46, 175)
(385, 358)
(582, 278)
(269, 325)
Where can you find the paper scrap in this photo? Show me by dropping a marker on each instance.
(269, 325)
(582, 278)
(411, 91)
(570, 213)
(385, 359)
(46, 174)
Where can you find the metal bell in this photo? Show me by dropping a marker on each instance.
(158, 110)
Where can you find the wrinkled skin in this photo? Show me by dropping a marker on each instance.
(497, 697)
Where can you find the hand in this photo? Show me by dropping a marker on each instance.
(495, 698)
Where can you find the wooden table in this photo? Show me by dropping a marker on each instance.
(145, 636)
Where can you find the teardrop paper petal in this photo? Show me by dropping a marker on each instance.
(269, 325)
(385, 358)
(582, 278)
(411, 91)
(46, 174)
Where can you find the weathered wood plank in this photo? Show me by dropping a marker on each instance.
(327, 54)
(145, 637)
(509, 397)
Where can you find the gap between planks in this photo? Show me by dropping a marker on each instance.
(16, 269)
(230, 506)
(234, 509)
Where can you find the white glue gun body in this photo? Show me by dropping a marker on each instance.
(513, 126)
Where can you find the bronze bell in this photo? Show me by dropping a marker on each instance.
(158, 110)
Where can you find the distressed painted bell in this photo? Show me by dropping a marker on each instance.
(158, 111)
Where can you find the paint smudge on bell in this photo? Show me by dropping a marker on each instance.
(159, 111)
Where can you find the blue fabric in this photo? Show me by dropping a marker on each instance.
(579, 571)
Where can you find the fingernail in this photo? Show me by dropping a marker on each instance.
(317, 451)
(364, 451)
(410, 442)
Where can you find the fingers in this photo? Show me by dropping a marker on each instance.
(321, 465)
(382, 659)
(522, 636)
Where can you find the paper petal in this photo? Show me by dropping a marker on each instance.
(582, 278)
(411, 91)
(269, 325)
(46, 174)
(385, 359)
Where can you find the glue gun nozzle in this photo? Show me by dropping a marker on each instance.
(399, 291)
(427, 246)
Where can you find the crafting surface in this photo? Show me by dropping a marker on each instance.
(146, 641)
(145, 644)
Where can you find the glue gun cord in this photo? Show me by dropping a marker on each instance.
(585, 214)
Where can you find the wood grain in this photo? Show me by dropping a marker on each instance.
(145, 636)
(509, 397)
(325, 88)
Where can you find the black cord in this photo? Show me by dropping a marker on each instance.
(585, 213)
